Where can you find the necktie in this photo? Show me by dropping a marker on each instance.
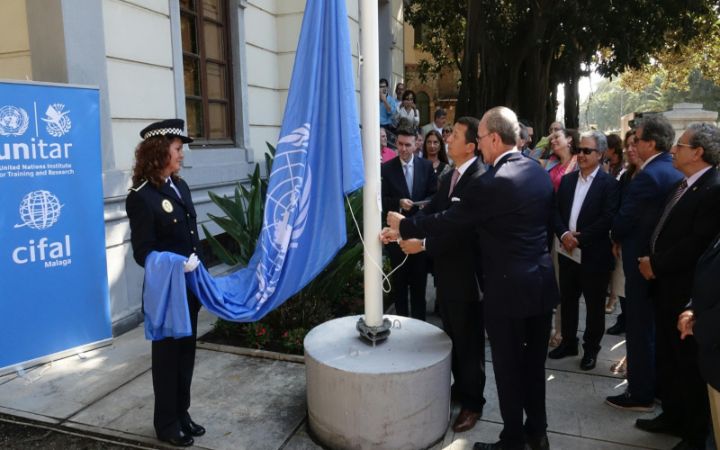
(666, 212)
(408, 177)
(453, 181)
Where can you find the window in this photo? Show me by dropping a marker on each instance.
(206, 41)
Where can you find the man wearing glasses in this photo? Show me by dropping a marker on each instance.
(689, 221)
(641, 207)
(586, 203)
(388, 106)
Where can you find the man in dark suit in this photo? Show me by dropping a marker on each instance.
(457, 265)
(586, 203)
(690, 219)
(641, 207)
(701, 322)
(162, 219)
(406, 180)
(520, 290)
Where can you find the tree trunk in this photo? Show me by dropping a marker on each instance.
(572, 97)
(469, 78)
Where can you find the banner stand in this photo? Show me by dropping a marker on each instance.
(27, 365)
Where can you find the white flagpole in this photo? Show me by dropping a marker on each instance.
(370, 116)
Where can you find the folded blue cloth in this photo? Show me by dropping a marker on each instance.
(165, 297)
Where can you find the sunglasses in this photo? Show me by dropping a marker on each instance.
(583, 150)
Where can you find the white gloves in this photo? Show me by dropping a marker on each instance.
(191, 264)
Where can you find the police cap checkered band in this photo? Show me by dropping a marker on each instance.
(170, 127)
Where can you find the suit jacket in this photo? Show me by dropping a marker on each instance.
(642, 205)
(685, 234)
(394, 186)
(706, 305)
(160, 221)
(511, 221)
(456, 256)
(594, 220)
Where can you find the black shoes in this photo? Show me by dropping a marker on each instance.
(192, 429)
(624, 401)
(538, 443)
(179, 440)
(563, 350)
(588, 361)
(659, 424)
(618, 328)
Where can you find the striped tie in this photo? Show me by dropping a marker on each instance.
(666, 212)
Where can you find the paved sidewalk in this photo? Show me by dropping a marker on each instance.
(251, 402)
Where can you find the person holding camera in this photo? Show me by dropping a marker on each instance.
(388, 106)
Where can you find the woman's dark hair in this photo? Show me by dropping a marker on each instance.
(574, 136)
(407, 94)
(442, 154)
(615, 143)
(151, 157)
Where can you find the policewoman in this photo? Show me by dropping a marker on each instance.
(162, 218)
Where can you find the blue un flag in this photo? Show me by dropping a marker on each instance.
(318, 160)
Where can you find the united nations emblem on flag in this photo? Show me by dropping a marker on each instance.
(58, 121)
(13, 121)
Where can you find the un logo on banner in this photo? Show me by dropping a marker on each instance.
(13, 121)
(58, 122)
(39, 210)
(286, 210)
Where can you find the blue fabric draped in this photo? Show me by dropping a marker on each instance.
(318, 159)
(165, 297)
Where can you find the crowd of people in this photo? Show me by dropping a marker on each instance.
(516, 233)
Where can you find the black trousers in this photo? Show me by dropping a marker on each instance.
(575, 281)
(519, 347)
(173, 361)
(410, 278)
(682, 389)
(463, 322)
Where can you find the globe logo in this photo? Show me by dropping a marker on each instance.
(39, 210)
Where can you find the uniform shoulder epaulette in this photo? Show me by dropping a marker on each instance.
(137, 188)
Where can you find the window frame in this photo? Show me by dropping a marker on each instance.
(202, 61)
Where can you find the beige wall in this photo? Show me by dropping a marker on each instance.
(14, 41)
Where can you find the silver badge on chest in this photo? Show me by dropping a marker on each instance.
(167, 206)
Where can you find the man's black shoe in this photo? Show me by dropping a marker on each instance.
(179, 440)
(618, 328)
(659, 424)
(563, 350)
(588, 361)
(496, 446)
(192, 429)
(538, 443)
(624, 401)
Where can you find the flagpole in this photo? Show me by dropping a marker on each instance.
(370, 116)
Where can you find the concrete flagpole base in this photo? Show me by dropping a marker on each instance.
(395, 395)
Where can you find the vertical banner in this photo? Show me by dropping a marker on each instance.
(53, 274)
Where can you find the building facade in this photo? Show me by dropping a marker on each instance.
(222, 65)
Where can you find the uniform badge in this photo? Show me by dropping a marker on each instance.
(167, 206)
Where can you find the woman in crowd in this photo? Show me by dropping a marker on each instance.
(407, 110)
(434, 151)
(564, 144)
(386, 153)
(614, 155)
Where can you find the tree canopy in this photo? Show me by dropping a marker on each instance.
(516, 51)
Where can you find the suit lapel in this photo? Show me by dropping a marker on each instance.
(690, 194)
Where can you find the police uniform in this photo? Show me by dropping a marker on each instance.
(161, 220)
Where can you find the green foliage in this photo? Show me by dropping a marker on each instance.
(611, 100)
(442, 25)
(336, 291)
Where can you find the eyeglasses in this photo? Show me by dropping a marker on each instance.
(483, 136)
(685, 145)
(409, 98)
(583, 150)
